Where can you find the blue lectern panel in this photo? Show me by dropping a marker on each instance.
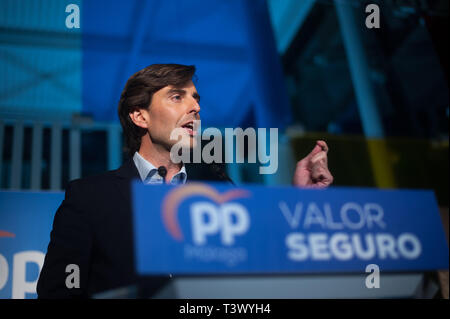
(212, 228)
(25, 224)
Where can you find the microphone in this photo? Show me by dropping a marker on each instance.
(162, 171)
(220, 172)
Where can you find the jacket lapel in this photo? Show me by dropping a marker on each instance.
(125, 175)
(128, 170)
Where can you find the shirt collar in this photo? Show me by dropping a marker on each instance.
(149, 173)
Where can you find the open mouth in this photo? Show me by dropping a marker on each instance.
(189, 127)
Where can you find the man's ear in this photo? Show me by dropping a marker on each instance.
(139, 118)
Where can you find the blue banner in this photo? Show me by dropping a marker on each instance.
(216, 229)
(25, 223)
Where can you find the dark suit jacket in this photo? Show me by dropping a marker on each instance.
(93, 229)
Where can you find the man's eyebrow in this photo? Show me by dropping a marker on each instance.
(175, 90)
(195, 95)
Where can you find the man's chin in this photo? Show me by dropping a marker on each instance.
(182, 151)
(186, 144)
(189, 142)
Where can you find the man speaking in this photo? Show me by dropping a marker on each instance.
(92, 233)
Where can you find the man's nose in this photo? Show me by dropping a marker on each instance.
(195, 107)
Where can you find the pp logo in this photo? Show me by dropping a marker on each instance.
(207, 219)
(21, 283)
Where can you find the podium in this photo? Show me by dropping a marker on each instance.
(298, 287)
(282, 242)
(350, 286)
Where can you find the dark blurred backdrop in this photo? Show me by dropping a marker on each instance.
(378, 96)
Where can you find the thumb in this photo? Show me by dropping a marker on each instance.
(306, 161)
(317, 149)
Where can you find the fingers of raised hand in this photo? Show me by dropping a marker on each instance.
(320, 173)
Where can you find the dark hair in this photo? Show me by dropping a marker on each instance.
(138, 93)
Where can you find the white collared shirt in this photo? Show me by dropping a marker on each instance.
(149, 173)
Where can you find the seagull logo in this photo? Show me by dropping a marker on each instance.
(4, 233)
(178, 195)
